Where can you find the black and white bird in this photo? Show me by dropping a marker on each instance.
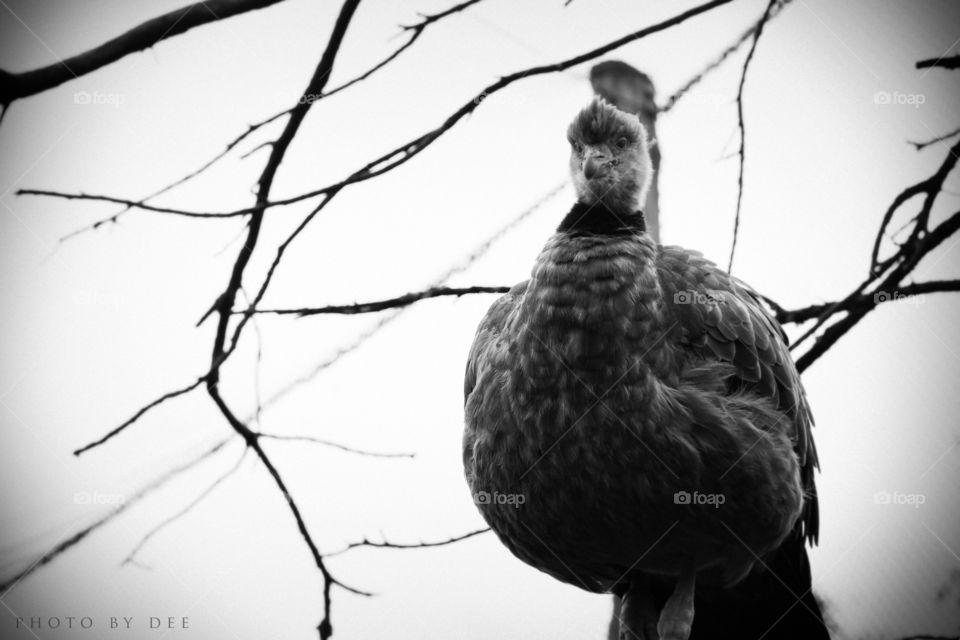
(644, 404)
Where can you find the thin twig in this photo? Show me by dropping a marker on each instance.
(262, 145)
(325, 627)
(865, 302)
(416, 545)
(743, 131)
(722, 57)
(131, 557)
(78, 536)
(928, 188)
(135, 204)
(335, 445)
(140, 413)
(905, 261)
(382, 305)
(923, 145)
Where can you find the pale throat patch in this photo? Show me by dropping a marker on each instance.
(624, 189)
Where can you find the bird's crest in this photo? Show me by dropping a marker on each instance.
(601, 122)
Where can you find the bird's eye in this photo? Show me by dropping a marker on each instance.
(622, 143)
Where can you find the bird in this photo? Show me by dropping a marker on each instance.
(634, 423)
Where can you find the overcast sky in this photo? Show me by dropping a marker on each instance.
(93, 328)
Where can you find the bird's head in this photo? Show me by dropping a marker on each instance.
(609, 158)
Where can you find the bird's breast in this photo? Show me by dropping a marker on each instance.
(593, 305)
(584, 354)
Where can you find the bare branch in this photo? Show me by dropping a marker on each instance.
(923, 145)
(77, 537)
(187, 213)
(886, 276)
(230, 147)
(382, 305)
(325, 627)
(743, 131)
(225, 301)
(907, 258)
(132, 204)
(262, 145)
(14, 86)
(131, 557)
(139, 414)
(335, 445)
(928, 188)
(953, 62)
(866, 302)
(416, 545)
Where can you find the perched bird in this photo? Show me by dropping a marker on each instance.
(635, 424)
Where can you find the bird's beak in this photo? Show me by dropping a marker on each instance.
(590, 167)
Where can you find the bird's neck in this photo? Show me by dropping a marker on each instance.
(600, 219)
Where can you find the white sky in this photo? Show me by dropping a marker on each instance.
(105, 323)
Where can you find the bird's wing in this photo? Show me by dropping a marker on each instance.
(488, 333)
(722, 318)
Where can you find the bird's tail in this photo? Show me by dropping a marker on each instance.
(775, 602)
